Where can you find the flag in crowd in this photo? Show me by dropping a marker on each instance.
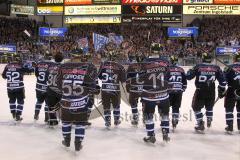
(115, 39)
(99, 41)
(83, 44)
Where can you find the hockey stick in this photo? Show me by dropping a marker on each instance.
(99, 111)
(125, 93)
(216, 101)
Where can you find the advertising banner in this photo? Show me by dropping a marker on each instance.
(92, 19)
(152, 2)
(227, 50)
(198, 1)
(52, 32)
(93, 10)
(226, 1)
(211, 9)
(151, 9)
(8, 49)
(77, 2)
(20, 9)
(106, 1)
(152, 19)
(50, 10)
(182, 32)
(49, 2)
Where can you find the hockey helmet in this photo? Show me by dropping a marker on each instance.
(58, 57)
(16, 57)
(206, 58)
(77, 54)
(174, 59)
(237, 57)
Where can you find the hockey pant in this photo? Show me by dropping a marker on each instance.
(229, 104)
(41, 98)
(200, 100)
(108, 99)
(175, 102)
(79, 130)
(133, 101)
(52, 100)
(149, 110)
(16, 96)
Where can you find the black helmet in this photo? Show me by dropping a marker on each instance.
(58, 57)
(16, 57)
(206, 58)
(77, 54)
(174, 59)
(85, 58)
(237, 57)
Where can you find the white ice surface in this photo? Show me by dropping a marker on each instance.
(29, 142)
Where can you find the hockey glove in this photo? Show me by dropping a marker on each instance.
(237, 94)
(221, 92)
(96, 91)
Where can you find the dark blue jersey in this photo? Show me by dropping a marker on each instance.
(111, 74)
(41, 73)
(53, 71)
(206, 74)
(177, 80)
(155, 78)
(134, 72)
(78, 81)
(232, 75)
(14, 73)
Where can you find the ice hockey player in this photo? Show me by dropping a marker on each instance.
(54, 92)
(178, 82)
(41, 73)
(232, 98)
(78, 80)
(155, 93)
(14, 72)
(111, 74)
(134, 87)
(204, 96)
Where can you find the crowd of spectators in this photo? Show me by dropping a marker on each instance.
(219, 31)
(138, 38)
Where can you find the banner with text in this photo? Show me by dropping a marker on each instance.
(77, 2)
(50, 10)
(106, 1)
(151, 9)
(20, 9)
(152, 2)
(152, 19)
(211, 9)
(8, 49)
(93, 10)
(49, 2)
(92, 19)
(198, 1)
(182, 32)
(227, 50)
(52, 32)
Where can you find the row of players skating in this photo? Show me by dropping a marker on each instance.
(151, 78)
(14, 73)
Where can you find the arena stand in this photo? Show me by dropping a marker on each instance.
(212, 33)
